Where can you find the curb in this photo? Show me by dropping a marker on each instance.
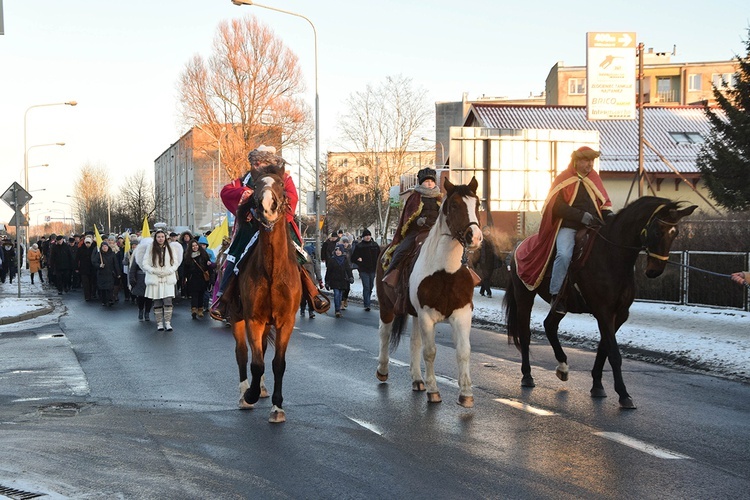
(27, 315)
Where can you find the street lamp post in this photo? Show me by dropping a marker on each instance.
(317, 116)
(442, 149)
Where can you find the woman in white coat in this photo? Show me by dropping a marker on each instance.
(160, 263)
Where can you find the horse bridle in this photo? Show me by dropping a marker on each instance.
(282, 208)
(644, 236)
(462, 235)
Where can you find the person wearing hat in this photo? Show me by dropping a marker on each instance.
(203, 242)
(420, 212)
(338, 276)
(62, 262)
(85, 269)
(235, 196)
(34, 258)
(576, 199)
(9, 264)
(107, 272)
(326, 248)
(365, 256)
(137, 281)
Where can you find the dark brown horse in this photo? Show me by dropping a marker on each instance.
(267, 293)
(441, 288)
(607, 287)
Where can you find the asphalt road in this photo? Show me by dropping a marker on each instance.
(101, 406)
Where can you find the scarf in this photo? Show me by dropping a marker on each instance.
(427, 192)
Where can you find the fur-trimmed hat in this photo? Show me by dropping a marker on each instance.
(426, 173)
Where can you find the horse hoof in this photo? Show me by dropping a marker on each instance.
(528, 381)
(434, 397)
(244, 405)
(418, 386)
(562, 375)
(264, 392)
(627, 403)
(466, 401)
(597, 392)
(381, 377)
(277, 415)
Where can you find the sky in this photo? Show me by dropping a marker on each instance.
(121, 62)
(713, 339)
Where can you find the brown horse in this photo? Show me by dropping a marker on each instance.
(607, 287)
(269, 292)
(441, 288)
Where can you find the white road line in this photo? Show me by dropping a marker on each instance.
(641, 446)
(446, 380)
(348, 347)
(311, 335)
(525, 407)
(396, 362)
(367, 426)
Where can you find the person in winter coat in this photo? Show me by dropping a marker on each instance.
(488, 262)
(312, 266)
(365, 256)
(62, 261)
(338, 276)
(107, 272)
(160, 262)
(34, 258)
(137, 282)
(9, 264)
(195, 262)
(86, 269)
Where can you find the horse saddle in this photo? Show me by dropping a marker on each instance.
(584, 242)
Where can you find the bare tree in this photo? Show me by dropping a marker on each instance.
(135, 200)
(91, 197)
(248, 92)
(384, 122)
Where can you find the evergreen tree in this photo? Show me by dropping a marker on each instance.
(724, 160)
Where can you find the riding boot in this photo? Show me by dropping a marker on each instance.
(168, 318)
(159, 315)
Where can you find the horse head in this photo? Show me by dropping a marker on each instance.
(270, 199)
(659, 233)
(461, 213)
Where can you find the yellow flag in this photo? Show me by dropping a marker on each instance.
(127, 242)
(145, 232)
(219, 232)
(97, 237)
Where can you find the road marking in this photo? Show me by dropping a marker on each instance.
(446, 380)
(348, 347)
(311, 335)
(396, 362)
(367, 425)
(641, 446)
(525, 407)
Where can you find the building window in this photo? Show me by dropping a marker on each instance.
(362, 179)
(719, 79)
(694, 82)
(687, 137)
(577, 86)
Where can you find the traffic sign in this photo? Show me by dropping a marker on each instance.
(18, 216)
(16, 195)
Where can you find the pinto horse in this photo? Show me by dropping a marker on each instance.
(269, 291)
(441, 288)
(606, 283)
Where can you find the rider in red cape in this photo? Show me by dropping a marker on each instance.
(577, 198)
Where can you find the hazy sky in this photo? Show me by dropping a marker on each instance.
(121, 62)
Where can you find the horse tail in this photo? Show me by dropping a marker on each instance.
(510, 304)
(397, 329)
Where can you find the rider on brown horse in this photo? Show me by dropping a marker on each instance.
(576, 199)
(235, 196)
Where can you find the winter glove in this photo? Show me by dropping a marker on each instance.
(587, 219)
(421, 221)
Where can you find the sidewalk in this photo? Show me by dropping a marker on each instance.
(33, 302)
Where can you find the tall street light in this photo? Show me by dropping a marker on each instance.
(442, 149)
(317, 116)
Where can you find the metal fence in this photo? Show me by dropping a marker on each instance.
(680, 284)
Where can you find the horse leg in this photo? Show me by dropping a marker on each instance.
(461, 323)
(523, 319)
(384, 330)
(263, 390)
(283, 333)
(551, 324)
(240, 352)
(427, 329)
(597, 389)
(615, 361)
(415, 360)
(256, 333)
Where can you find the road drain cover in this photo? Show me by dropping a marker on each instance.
(60, 409)
(16, 494)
